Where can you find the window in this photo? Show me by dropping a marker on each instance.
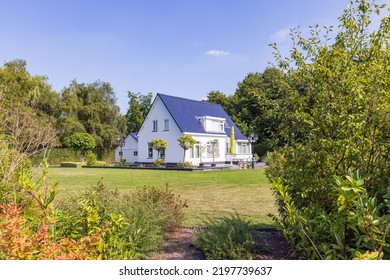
(166, 125)
(162, 154)
(212, 149)
(150, 150)
(135, 153)
(243, 148)
(155, 125)
(195, 151)
(221, 126)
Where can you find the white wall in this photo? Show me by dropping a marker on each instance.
(203, 139)
(173, 153)
(131, 145)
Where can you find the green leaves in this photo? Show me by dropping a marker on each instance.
(336, 119)
(81, 141)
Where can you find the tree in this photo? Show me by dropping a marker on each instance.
(91, 108)
(220, 98)
(331, 178)
(81, 142)
(186, 142)
(160, 146)
(139, 106)
(213, 148)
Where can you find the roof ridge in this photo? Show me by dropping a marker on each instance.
(188, 99)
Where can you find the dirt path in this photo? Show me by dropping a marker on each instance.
(269, 245)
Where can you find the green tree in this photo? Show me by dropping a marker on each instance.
(186, 142)
(220, 98)
(81, 142)
(139, 106)
(336, 123)
(160, 145)
(91, 108)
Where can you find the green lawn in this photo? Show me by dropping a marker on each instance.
(208, 193)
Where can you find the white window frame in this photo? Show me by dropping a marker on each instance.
(155, 125)
(166, 125)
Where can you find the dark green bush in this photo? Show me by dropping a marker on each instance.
(261, 149)
(226, 238)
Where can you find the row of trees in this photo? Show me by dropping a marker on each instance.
(78, 108)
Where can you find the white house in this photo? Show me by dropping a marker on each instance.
(128, 149)
(170, 117)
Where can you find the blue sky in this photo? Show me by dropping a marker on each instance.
(182, 48)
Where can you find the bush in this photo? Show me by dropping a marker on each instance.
(159, 162)
(263, 148)
(137, 222)
(186, 164)
(90, 158)
(227, 238)
(70, 164)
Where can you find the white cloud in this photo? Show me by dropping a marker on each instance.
(281, 36)
(217, 53)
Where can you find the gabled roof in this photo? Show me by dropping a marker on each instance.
(186, 112)
(134, 135)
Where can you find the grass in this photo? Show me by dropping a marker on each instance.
(208, 194)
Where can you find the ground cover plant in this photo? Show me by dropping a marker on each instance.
(208, 194)
(226, 238)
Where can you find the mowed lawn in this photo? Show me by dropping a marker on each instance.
(208, 193)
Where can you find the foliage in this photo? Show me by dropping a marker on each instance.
(159, 145)
(336, 121)
(159, 162)
(22, 90)
(226, 238)
(261, 149)
(139, 106)
(356, 228)
(136, 223)
(186, 164)
(91, 108)
(70, 164)
(90, 158)
(213, 148)
(18, 241)
(186, 142)
(220, 98)
(81, 142)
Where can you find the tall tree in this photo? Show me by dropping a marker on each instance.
(139, 106)
(21, 89)
(220, 98)
(91, 108)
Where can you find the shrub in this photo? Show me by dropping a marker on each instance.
(263, 148)
(227, 238)
(159, 162)
(90, 158)
(137, 221)
(69, 164)
(186, 164)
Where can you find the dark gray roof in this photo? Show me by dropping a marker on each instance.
(186, 111)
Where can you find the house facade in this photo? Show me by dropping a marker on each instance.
(129, 149)
(171, 117)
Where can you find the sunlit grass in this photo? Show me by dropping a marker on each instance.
(208, 193)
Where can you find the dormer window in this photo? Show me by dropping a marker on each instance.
(213, 124)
